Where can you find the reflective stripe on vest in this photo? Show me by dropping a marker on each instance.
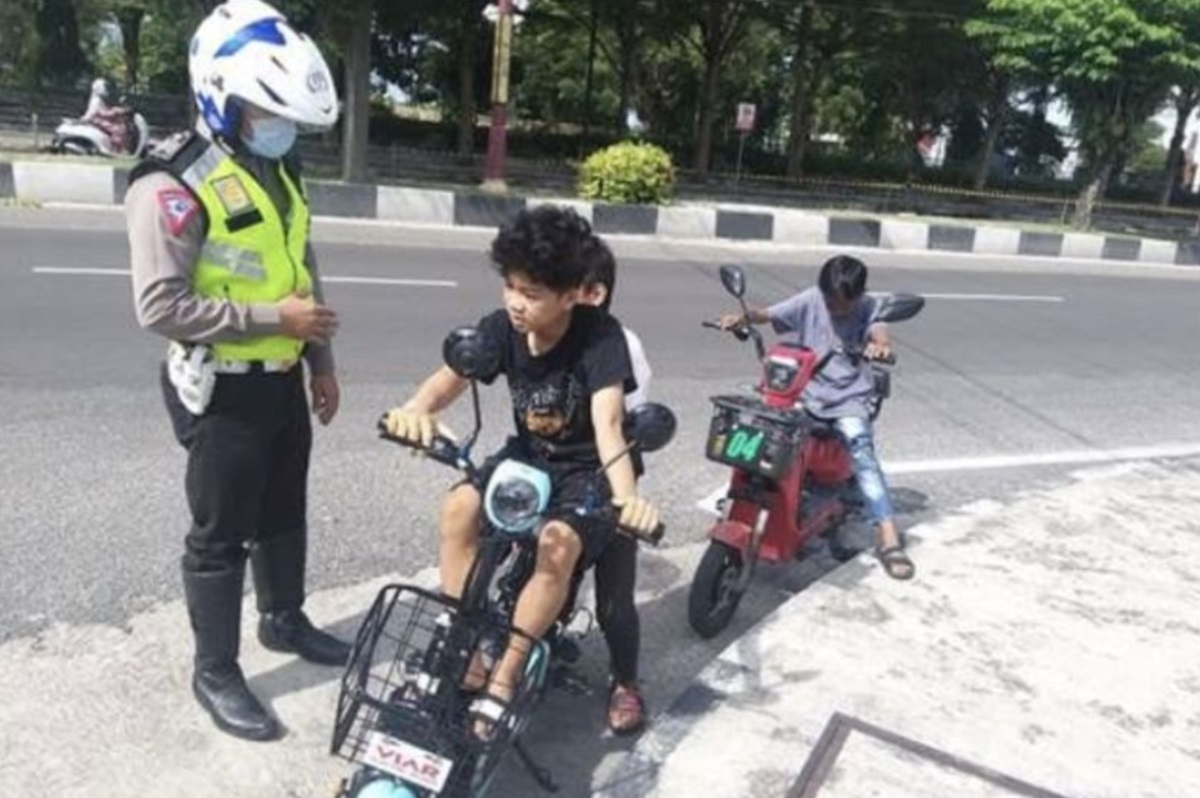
(260, 260)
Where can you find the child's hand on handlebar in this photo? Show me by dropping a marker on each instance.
(731, 321)
(412, 426)
(637, 514)
(878, 350)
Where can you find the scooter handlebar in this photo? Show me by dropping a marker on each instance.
(653, 537)
(441, 449)
(741, 332)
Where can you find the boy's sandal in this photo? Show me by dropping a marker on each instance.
(486, 714)
(626, 710)
(896, 562)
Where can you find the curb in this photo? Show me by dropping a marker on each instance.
(43, 181)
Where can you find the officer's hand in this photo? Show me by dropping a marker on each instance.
(637, 514)
(325, 397)
(300, 317)
(411, 425)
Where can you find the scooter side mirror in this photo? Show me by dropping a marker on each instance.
(734, 280)
(898, 307)
(471, 354)
(651, 426)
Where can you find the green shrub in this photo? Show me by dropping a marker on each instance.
(628, 172)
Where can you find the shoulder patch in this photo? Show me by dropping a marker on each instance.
(177, 207)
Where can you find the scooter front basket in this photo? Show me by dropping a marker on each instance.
(400, 711)
(747, 435)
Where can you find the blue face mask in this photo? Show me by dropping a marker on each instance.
(271, 137)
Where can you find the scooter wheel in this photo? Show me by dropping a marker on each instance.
(714, 595)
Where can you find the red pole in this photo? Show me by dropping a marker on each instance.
(493, 175)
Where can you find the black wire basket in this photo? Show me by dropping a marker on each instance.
(402, 712)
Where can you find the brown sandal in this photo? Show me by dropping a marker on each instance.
(626, 703)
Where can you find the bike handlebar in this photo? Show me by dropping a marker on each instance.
(441, 449)
(653, 537)
(740, 332)
(447, 452)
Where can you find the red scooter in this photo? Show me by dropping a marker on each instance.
(792, 475)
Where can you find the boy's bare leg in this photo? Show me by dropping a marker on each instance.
(897, 564)
(456, 554)
(539, 604)
(459, 538)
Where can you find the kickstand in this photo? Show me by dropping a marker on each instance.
(540, 774)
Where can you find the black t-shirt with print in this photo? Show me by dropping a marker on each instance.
(552, 392)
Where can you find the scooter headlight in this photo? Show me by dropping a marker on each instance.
(516, 496)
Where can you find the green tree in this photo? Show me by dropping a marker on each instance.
(59, 58)
(1112, 61)
(714, 29)
(18, 42)
(446, 45)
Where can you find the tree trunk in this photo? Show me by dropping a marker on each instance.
(130, 19)
(802, 98)
(1184, 105)
(628, 48)
(468, 43)
(997, 118)
(1086, 203)
(358, 96)
(708, 114)
(589, 80)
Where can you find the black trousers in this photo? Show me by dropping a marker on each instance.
(247, 478)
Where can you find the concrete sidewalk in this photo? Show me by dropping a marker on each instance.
(1049, 647)
(42, 181)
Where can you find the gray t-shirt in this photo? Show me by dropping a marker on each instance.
(842, 387)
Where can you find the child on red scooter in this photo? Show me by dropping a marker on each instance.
(835, 316)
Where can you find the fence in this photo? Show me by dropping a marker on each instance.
(29, 120)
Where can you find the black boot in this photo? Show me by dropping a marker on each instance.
(215, 607)
(278, 567)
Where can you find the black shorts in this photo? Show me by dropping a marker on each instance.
(573, 484)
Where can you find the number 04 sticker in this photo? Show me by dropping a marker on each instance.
(744, 445)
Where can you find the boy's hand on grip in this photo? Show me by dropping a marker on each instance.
(411, 425)
(637, 514)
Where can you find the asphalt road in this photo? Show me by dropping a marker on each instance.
(1002, 362)
(1015, 359)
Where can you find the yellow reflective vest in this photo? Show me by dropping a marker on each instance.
(252, 254)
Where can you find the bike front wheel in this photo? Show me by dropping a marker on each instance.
(715, 592)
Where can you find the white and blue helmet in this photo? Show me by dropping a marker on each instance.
(246, 51)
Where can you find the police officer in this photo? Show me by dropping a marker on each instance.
(222, 267)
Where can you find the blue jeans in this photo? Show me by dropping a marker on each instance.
(860, 441)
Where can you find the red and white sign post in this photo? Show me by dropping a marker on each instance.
(744, 124)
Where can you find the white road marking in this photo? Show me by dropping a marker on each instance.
(995, 298)
(81, 271)
(1068, 457)
(390, 281)
(324, 278)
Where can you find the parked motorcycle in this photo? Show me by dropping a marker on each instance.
(403, 714)
(792, 479)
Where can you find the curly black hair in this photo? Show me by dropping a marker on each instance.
(546, 244)
(602, 267)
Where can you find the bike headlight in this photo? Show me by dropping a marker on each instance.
(516, 496)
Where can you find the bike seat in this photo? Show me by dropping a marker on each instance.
(822, 427)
